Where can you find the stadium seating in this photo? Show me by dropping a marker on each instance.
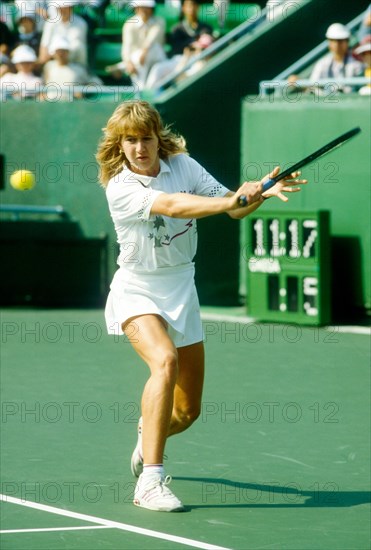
(109, 37)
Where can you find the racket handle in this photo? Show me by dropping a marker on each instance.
(242, 200)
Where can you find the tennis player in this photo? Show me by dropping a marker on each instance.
(155, 193)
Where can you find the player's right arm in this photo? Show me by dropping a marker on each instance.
(184, 205)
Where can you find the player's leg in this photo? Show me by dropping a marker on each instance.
(149, 338)
(188, 387)
(153, 344)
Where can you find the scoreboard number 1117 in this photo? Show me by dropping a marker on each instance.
(288, 266)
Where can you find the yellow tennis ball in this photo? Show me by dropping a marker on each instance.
(22, 180)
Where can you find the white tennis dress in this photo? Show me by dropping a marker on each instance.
(156, 269)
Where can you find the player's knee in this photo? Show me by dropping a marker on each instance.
(169, 366)
(187, 415)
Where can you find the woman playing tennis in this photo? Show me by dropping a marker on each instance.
(155, 192)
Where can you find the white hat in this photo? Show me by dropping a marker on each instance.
(23, 54)
(364, 46)
(59, 43)
(143, 4)
(337, 31)
(25, 8)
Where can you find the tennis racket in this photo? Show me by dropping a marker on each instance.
(344, 138)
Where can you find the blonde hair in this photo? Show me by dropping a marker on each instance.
(133, 118)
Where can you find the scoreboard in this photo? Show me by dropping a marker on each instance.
(287, 257)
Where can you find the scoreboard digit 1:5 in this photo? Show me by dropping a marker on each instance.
(288, 266)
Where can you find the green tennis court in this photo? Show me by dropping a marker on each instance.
(279, 459)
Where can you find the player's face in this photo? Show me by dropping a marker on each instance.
(142, 153)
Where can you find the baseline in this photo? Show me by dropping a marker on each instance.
(115, 524)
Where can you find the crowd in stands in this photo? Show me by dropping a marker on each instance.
(51, 42)
(342, 62)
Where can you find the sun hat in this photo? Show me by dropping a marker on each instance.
(337, 31)
(59, 43)
(23, 54)
(363, 46)
(143, 4)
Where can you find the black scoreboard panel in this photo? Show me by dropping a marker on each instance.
(288, 266)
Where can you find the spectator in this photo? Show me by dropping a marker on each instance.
(339, 63)
(363, 53)
(143, 37)
(63, 74)
(189, 29)
(66, 25)
(178, 62)
(27, 25)
(24, 83)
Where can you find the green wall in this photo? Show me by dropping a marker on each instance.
(281, 132)
(58, 142)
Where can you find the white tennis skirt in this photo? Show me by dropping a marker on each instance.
(169, 292)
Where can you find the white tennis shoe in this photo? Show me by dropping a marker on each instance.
(153, 494)
(137, 456)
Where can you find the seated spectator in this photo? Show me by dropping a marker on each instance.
(63, 74)
(339, 63)
(24, 83)
(143, 37)
(363, 54)
(178, 62)
(66, 25)
(27, 25)
(189, 29)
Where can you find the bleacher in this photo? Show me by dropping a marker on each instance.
(107, 37)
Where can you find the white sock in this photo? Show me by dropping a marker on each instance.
(150, 470)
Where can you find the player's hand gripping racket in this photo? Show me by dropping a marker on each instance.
(344, 138)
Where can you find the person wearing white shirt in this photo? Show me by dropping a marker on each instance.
(143, 38)
(23, 84)
(339, 63)
(155, 193)
(65, 24)
(61, 77)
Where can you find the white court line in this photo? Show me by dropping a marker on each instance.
(109, 523)
(247, 320)
(42, 529)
